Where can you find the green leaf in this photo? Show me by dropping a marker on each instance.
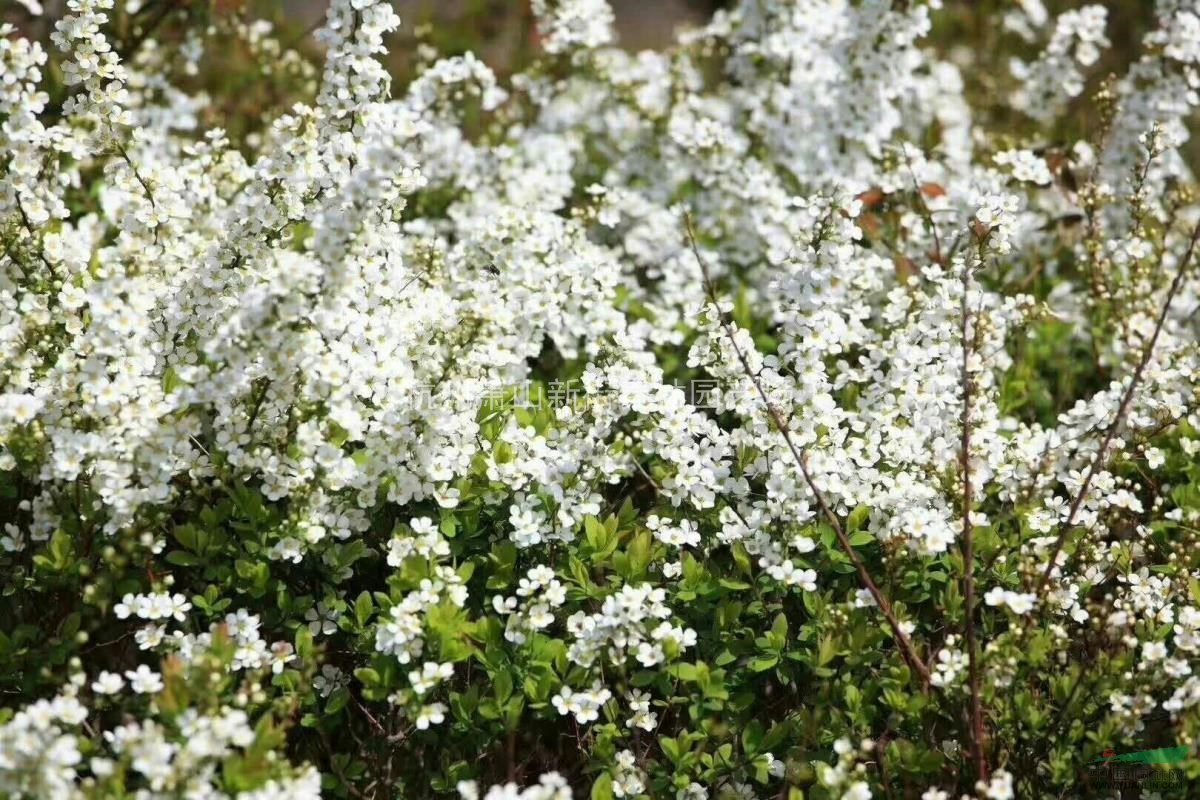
(826, 650)
(512, 711)
(858, 517)
(752, 736)
(304, 642)
(170, 380)
(763, 663)
(181, 559)
(185, 535)
(602, 788)
(502, 685)
(861, 538)
(779, 629)
(367, 676)
(742, 558)
(61, 549)
(337, 701)
(595, 533)
(363, 607)
(684, 671)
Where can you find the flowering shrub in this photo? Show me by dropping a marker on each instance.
(758, 418)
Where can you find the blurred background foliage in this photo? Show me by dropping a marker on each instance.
(502, 33)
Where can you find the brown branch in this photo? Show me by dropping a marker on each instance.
(901, 638)
(129, 49)
(38, 247)
(968, 544)
(1122, 410)
(137, 175)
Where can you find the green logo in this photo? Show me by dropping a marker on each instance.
(1163, 755)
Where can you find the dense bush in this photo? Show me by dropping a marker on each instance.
(761, 418)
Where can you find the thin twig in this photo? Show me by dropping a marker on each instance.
(906, 649)
(1122, 410)
(968, 536)
(137, 175)
(130, 48)
(39, 249)
(926, 212)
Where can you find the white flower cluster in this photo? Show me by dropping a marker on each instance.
(1158, 90)
(353, 34)
(999, 787)
(950, 665)
(312, 313)
(905, 422)
(1026, 165)
(414, 701)
(41, 752)
(1016, 602)
(37, 750)
(426, 541)
(550, 786)
(402, 633)
(634, 621)
(532, 608)
(159, 605)
(639, 707)
(569, 24)
(241, 628)
(845, 776)
(628, 780)
(95, 69)
(682, 533)
(1057, 76)
(583, 705)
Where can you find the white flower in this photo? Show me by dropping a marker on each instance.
(803, 544)
(321, 619)
(329, 679)
(107, 683)
(144, 680)
(429, 676)
(857, 791)
(585, 705)
(999, 787)
(1017, 602)
(282, 654)
(432, 714)
(13, 540)
(19, 409)
(1153, 651)
(288, 548)
(150, 637)
(642, 717)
